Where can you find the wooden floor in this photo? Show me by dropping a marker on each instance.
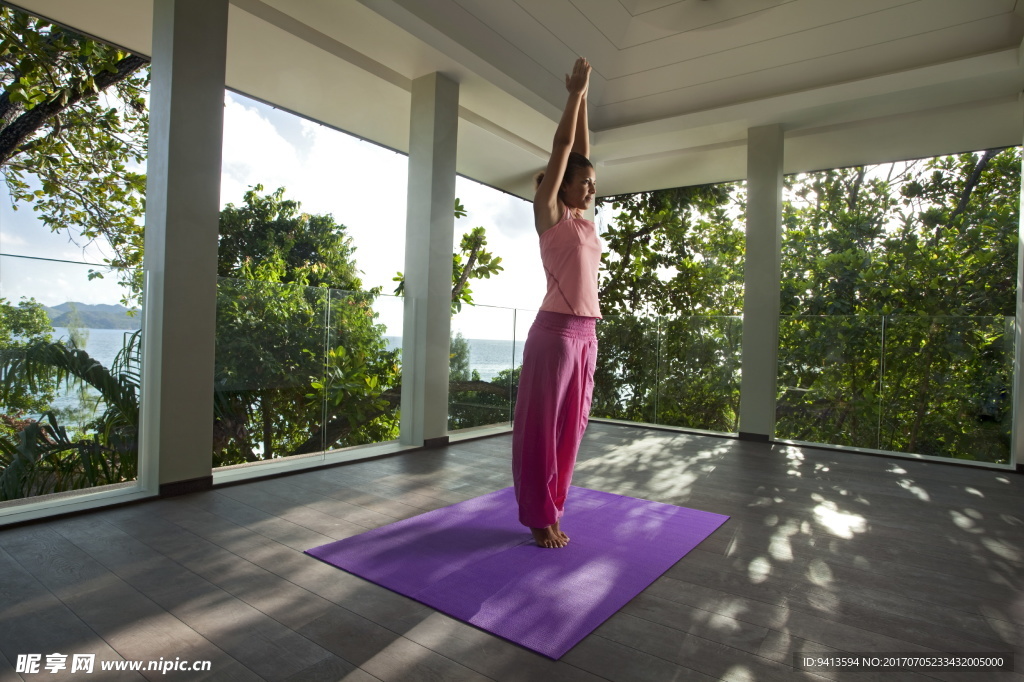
(825, 551)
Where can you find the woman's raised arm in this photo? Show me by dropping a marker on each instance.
(545, 202)
(581, 141)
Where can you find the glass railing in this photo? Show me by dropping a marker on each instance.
(699, 372)
(626, 380)
(69, 378)
(362, 388)
(302, 370)
(829, 378)
(681, 371)
(939, 386)
(486, 352)
(677, 371)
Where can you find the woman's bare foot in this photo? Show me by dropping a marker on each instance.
(558, 529)
(549, 538)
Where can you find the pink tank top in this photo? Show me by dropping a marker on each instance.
(571, 254)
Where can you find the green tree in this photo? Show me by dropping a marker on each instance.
(915, 266)
(301, 364)
(21, 326)
(896, 286)
(40, 456)
(73, 131)
(672, 255)
(471, 400)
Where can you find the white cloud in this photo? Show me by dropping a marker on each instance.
(365, 188)
(361, 185)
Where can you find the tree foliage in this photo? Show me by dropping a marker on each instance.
(471, 261)
(73, 132)
(21, 326)
(670, 279)
(40, 456)
(674, 249)
(897, 281)
(302, 365)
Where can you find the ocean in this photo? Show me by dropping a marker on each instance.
(486, 356)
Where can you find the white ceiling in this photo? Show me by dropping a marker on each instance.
(676, 83)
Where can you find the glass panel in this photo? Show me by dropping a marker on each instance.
(69, 378)
(699, 372)
(269, 376)
(931, 244)
(947, 387)
(626, 378)
(829, 369)
(524, 318)
(361, 394)
(485, 351)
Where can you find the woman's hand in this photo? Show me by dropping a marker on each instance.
(579, 81)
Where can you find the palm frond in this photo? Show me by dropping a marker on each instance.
(47, 360)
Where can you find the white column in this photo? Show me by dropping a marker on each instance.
(761, 281)
(182, 212)
(430, 229)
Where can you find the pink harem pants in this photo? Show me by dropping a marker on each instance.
(555, 389)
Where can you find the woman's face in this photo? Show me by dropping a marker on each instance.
(579, 191)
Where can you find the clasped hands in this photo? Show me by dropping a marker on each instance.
(578, 82)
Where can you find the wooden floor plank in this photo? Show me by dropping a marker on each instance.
(824, 551)
(155, 632)
(34, 620)
(150, 560)
(489, 655)
(620, 663)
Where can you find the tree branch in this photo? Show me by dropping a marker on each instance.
(971, 183)
(24, 126)
(457, 289)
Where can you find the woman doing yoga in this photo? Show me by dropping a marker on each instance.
(557, 378)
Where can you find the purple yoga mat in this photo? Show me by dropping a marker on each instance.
(475, 562)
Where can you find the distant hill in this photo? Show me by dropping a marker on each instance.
(100, 316)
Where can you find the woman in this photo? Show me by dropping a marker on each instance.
(557, 378)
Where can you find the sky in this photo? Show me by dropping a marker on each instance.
(361, 184)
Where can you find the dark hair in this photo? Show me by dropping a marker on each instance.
(574, 163)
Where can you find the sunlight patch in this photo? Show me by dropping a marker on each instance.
(780, 547)
(1001, 548)
(842, 524)
(961, 520)
(723, 623)
(759, 570)
(819, 573)
(739, 673)
(916, 490)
